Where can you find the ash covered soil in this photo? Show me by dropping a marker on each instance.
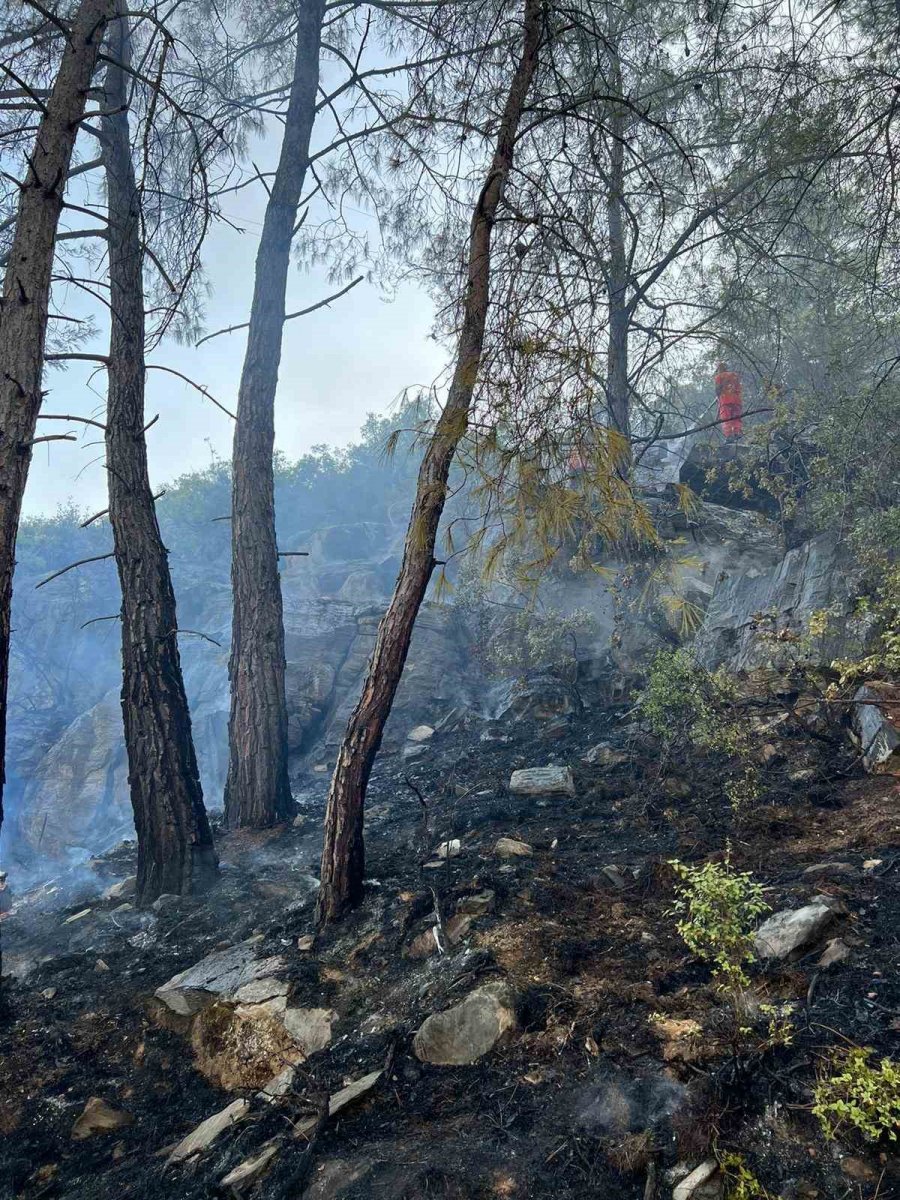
(611, 1066)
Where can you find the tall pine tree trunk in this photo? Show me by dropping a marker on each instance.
(618, 399)
(343, 859)
(175, 849)
(26, 296)
(257, 792)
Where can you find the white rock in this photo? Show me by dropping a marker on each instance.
(836, 951)
(512, 848)
(340, 1100)
(543, 781)
(421, 733)
(463, 1034)
(207, 1131)
(701, 1175)
(451, 849)
(878, 729)
(258, 990)
(604, 756)
(309, 1027)
(791, 929)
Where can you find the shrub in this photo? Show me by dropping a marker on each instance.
(682, 701)
(684, 704)
(719, 907)
(859, 1094)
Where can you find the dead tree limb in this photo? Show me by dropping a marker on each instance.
(71, 567)
(303, 312)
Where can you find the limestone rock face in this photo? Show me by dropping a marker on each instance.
(817, 575)
(461, 1035)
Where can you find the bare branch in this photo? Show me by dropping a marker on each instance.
(289, 316)
(71, 567)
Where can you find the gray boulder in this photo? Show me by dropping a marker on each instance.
(793, 929)
(219, 976)
(543, 781)
(877, 728)
(463, 1034)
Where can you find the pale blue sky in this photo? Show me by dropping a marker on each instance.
(338, 365)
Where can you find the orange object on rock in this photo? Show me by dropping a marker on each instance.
(731, 401)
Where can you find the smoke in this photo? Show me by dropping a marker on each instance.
(616, 1104)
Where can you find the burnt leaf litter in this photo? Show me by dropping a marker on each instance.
(622, 1072)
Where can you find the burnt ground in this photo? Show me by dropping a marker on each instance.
(598, 1094)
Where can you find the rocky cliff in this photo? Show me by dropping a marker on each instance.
(68, 786)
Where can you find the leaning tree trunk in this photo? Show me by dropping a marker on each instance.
(257, 792)
(175, 849)
(343, 859)
(26, 296)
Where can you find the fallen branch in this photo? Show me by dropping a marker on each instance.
(71, 567)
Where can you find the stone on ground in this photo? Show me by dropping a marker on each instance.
(543, 781)
(792, 929)
(99, 1117)
(217, 977)
(512, 848)
(421, 733)
(877, 727)
(125, 887)
(207, 1131)
(248, 1171)
(347, 1095)
(461, 1035)
(604, 756)
(704, 1183)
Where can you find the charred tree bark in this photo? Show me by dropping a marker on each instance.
(175, 848)
(343, 856)
(257, 792)
(26, 295)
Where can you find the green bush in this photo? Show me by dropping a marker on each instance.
(858, 1094)
(718, 908)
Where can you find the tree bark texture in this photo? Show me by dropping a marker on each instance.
(257, 792)
(26, 295)
(175, 848)
(343, 857)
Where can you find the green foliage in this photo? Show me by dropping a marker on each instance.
(884, 609)
(686, 705)
(860, 1095)
(513, 639)
(682, 701)
(718, 908)
(740, 1182)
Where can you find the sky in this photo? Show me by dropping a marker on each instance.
(338, 365)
